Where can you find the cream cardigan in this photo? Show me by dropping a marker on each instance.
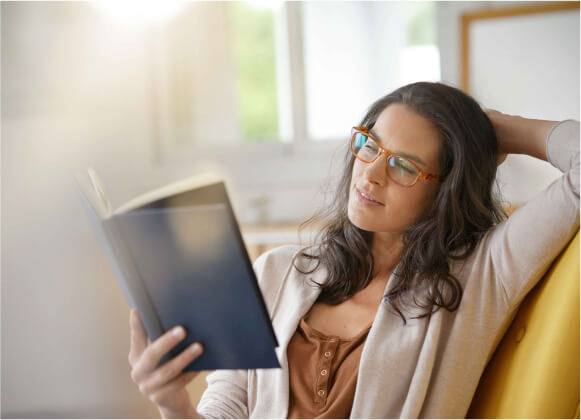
(430, 367)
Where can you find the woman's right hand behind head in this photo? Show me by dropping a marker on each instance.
(495, 118)
(165, 385)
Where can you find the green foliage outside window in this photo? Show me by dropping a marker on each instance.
(254, 58)
(422, 24)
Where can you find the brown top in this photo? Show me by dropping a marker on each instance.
(322, 372)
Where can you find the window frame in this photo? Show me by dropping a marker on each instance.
(165, 152)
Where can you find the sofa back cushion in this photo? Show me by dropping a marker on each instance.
(534, 372)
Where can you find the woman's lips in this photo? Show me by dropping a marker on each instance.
(364, 200)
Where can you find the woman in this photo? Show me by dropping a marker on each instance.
(396, 309)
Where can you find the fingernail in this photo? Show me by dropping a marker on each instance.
(177, 331)
(196, 348)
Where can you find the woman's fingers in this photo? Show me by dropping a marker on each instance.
(494, 115)
(155, 351)
(138, 337)
(164, 385)
(166, 374)
(173, 387)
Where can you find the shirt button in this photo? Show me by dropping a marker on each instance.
(327, 354)
(324, 372)
(321, 392)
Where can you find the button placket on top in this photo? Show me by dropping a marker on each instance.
(328, 349)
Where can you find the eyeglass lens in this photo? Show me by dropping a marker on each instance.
(399, 169)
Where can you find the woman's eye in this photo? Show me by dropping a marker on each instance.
(407, 168)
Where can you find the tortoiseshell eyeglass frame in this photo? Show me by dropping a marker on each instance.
(422, 174)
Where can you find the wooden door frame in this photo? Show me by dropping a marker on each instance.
(470, 17)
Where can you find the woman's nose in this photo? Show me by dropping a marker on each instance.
(376, 170)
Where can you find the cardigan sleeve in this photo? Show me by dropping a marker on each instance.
(226, 395)
(523, 246)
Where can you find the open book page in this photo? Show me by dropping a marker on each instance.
(170, 190)
(93, 191)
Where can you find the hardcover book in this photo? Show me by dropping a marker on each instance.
(178, 255)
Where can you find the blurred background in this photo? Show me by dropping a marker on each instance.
(261, 92)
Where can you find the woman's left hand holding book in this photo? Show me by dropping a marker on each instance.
(165, 385)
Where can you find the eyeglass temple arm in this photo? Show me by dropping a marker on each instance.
(432, 177)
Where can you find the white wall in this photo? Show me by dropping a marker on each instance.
(64, 323)
(543, 83)
(526, 65)
(74, 93)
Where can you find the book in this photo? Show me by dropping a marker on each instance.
(178, 255)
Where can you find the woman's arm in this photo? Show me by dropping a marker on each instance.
(521, 248)
(520, 135)
(226, 396)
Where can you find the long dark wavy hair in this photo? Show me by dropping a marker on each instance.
(464, 208)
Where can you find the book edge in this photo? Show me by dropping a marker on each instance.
(178, 187)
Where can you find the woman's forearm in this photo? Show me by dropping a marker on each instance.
(521, 135)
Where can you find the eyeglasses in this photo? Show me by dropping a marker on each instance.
(401, 170)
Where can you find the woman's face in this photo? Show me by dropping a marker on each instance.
(398, 129)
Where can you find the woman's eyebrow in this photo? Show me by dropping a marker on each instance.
(404, 154)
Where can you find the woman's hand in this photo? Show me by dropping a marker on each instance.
(494, 117)
(519, 135)
(165, 386)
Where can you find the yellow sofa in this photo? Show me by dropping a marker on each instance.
(534, 372)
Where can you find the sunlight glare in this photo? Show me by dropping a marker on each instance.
(139, 12)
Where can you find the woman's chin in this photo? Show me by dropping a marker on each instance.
(357, 222)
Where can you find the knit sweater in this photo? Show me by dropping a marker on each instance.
(430, 367)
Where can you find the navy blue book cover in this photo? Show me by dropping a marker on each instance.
(196, 272)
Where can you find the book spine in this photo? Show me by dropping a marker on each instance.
(120, 259)
(131, 282)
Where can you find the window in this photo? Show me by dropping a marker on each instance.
(216, 76)
(254, 61)
(356, 52)
(295, 72)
